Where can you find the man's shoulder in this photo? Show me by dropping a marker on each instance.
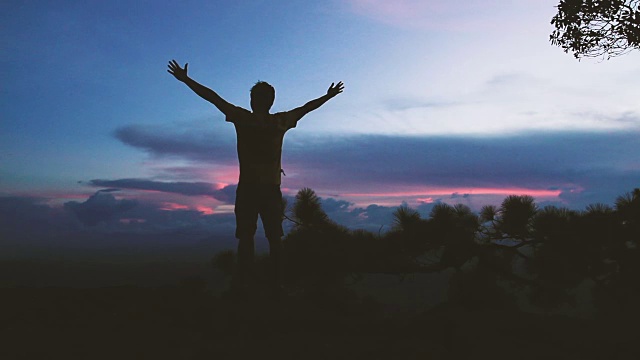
(286, 119)
(283, 113)
(237, 113)
(239, 110)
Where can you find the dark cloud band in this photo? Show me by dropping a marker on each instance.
(225, 194)
(603, 162)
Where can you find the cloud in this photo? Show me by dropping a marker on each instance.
(104, 229)
(11, 207)
(154, 217)
(627, 118)
(225, 194)
(537, 160)
(195, 144)
(331, 205)
(101, 206)
(403, 104)
(604, 164)
(20, 215)
(109, 190)
(371, 217)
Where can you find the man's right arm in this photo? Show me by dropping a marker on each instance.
(203, 91)
(333, 90)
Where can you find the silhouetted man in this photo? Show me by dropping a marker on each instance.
(259, 139)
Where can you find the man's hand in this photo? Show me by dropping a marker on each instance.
(177, 71)
(202, 91)
(335, 89)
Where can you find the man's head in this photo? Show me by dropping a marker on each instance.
(262, 97)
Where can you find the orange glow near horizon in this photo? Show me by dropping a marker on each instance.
(223, 176)
(173, 206)
(460, 191)
(413, 195)
(220, 185)
(205, 210)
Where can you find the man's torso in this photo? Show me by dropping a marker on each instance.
(259, 141)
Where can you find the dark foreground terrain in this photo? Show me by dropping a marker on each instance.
(187, 322)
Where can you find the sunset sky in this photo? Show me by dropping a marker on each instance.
(445, 101)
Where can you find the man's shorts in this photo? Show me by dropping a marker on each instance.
(264, 200)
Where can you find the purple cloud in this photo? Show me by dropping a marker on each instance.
(101, 206)
(226, 194)
(199, 145)
(603, 163)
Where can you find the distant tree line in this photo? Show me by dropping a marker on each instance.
(542, 252)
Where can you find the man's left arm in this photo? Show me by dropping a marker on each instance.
(333, 90)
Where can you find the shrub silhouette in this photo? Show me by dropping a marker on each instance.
(317, 250)
(516, 215)
(543, 252)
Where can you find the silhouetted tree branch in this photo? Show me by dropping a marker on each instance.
(595, 28)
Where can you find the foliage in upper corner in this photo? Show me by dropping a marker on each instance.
(597, 28)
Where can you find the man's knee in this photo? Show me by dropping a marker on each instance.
(246, 245)
(245, 229)
(273, 228)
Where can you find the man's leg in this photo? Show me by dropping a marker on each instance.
(271, 212)
(276, 262)
(246, 255)
(246, 211)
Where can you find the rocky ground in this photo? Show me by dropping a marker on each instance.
(187, 322)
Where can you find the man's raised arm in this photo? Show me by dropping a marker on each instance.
(333, 90)
(204, 92)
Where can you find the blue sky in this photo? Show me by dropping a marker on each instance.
(454, 101)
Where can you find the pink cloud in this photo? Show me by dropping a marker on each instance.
(418, 196)
(191, 204)
(449, 191)
(205, 210)
(173, 206)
